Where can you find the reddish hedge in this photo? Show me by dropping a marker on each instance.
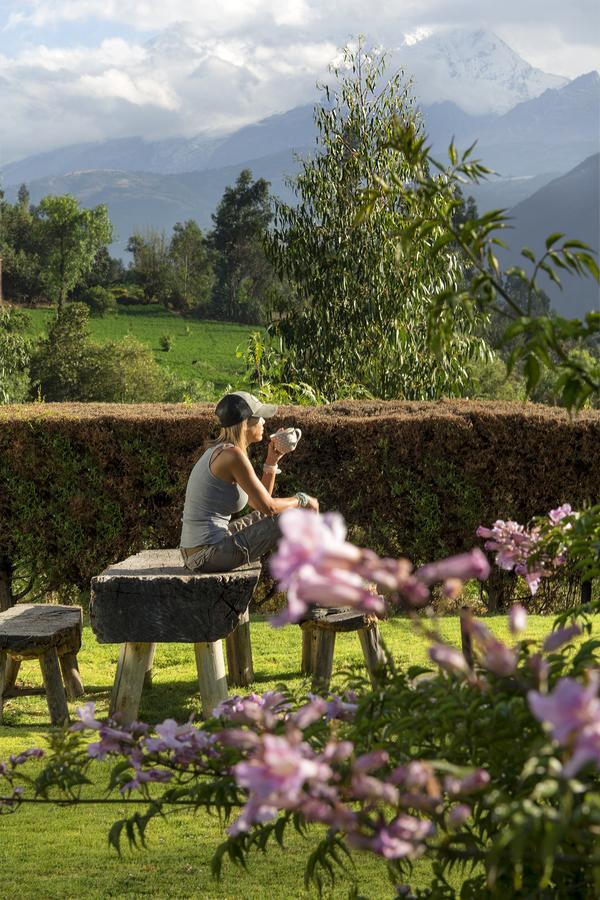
(84, 485)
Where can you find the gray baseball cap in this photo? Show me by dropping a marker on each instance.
(234, 408)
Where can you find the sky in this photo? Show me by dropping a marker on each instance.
(87, 70)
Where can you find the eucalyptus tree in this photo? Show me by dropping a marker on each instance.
(358, 318)
(192, 268)
(70, 238)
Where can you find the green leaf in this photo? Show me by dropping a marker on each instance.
(528, 254)
(532, 372)
(553, 238)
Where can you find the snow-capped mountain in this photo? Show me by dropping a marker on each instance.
(475, 69)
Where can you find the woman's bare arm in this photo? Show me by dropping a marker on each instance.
(235, 463)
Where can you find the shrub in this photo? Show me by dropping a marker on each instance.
(412, 479)
(68, 365)
(166, 342)
(125, 371)
(15, 350)
(101, 301)
(401, 770)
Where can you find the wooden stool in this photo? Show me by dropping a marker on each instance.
(318, 642)
(51, 634)
(152, 598)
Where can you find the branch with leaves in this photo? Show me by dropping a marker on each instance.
(432, 199)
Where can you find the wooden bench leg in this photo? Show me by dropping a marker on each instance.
(323, 659)
(55, 691)
(373, 651)
(239, 653)
(12, 670)
(3, 668)
(309, 645)
(71, 677)
(211, 675)
(129, 681)
(148, 675)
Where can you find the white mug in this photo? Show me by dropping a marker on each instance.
(286, 440)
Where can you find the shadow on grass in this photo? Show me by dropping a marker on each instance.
(278, 677)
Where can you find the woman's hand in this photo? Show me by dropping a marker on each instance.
(273, 453)
(313, 503)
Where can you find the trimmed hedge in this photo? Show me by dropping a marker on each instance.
(82, 485)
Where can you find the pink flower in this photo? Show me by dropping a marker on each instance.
(314, 710)
(570, 707)
(366, 787)
(403, 837)
(20, 758)
(560, 637)
(586, 749)
(498, 658)
(112, 740)
(370, 762)
(514, 546)
(458, 815)
(87, 716)
(336, 587)
(448, 658)
(495, 655)
(540, 668)
(556, 515)
(532, 577)
(263, 710)
(344, 710)
(275, 776)
(415, 775)
(146, 776)
(280, 768)
(337, 751)
(238, 737)
(307, 537)
(473, 564)
(517, 619)
(470, 784)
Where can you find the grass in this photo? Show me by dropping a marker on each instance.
(59, 852)
(201, 350)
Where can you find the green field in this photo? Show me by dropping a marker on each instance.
(56, 852)
(202, 351)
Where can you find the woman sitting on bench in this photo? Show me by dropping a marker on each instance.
(223, 481)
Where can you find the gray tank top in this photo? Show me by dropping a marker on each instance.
(209, 504)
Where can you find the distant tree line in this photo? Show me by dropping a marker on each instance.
(58, 251)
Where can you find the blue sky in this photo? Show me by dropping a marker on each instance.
(75, 70)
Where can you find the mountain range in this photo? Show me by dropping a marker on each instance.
(531, 127)
(571, 205)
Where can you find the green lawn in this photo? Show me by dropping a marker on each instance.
(201, 351)
(62, 852)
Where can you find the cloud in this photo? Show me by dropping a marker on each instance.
(210, 19)
(189, 66)
(177, 84)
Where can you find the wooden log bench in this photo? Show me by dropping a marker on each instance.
(318, 642)
(51, 634)
(152, 598)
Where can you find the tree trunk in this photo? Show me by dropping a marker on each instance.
(6, 595)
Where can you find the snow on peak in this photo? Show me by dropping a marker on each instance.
(475, 69)
(415, 36)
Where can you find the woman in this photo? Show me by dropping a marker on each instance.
(223, 481)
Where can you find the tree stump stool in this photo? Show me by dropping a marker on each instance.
(152, 598)
(51, 634)
(318, 642)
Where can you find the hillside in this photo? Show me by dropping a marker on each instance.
(137, 200)
(568, 204)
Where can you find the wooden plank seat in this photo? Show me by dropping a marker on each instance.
(319, 629)
(51, 634)
(152, 598)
